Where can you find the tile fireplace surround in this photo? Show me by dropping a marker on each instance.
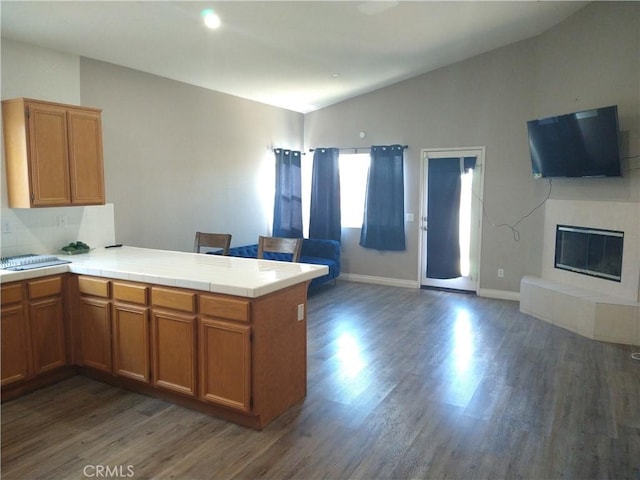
(595, 308)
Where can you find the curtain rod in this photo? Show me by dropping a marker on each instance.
(356, 148)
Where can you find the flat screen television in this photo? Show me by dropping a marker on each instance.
(580, 144)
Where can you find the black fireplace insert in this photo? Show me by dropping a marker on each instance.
(590, 251)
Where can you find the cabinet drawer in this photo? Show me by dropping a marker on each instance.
(11, 293)
(224, 307)
(130, 292)
(47, 287)
(173, 299)
(96, 287)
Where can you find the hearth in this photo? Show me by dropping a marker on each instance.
(590, 251)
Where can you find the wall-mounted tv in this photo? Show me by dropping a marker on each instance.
(580, 144)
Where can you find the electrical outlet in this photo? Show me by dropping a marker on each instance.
(62, 221)
(6, 226)
(301, 312)
(501, 273)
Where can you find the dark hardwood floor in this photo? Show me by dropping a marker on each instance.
(402, 384)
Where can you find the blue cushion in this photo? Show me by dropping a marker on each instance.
(314, 251)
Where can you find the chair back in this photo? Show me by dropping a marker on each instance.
(212, 240)
(280, 245)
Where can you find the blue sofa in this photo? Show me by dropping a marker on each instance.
(315, 251)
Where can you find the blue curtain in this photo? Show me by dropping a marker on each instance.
(324, 217)
(443, 214)
(287, 209)
(383, 224)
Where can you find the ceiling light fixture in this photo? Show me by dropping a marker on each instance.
(211, 19)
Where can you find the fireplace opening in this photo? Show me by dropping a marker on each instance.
(590, 251)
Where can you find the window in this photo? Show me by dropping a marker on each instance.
(354, 168)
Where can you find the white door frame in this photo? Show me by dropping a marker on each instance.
(476, 210)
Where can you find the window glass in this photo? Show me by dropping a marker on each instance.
(354, 168)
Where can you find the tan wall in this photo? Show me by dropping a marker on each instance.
(181, 159)
(598, 64)
(486, 101)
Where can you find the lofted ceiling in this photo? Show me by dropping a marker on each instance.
(298, 55)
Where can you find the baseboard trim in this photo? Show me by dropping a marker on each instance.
(397, 282)
(389, 282)
(499, 294)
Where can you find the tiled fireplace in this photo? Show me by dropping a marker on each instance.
(590, 281)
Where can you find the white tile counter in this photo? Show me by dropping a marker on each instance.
(245, 277)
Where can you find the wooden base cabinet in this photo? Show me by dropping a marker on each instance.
(243, 359)
(173, 334)
(33, 330)
(47, 334)
(16, 343)
(95, 333)
(131, 342)
(174, 351)
(225, 363)
(94, 323)
(46, 322)
(131, 331)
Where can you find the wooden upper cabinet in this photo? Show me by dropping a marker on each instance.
(85, 157)
(53, 154)
(48, 154)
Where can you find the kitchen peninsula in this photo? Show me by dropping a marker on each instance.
(223, 335)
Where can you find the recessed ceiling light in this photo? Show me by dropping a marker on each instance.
(211, 19)
(335, 75)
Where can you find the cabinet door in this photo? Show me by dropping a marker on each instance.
(131, 341)
(95, 333)
(48, 155)
(85, 157)
(225, 363)
(174, 351)
(47, 334)
(15, 345)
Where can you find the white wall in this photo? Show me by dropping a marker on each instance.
(36, 230)
(34, 72)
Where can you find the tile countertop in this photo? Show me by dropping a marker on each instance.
(245, 277)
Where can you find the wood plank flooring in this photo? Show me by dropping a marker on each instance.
(402, 384)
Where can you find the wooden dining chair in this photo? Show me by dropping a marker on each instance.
(212, 241)
(280, 245)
